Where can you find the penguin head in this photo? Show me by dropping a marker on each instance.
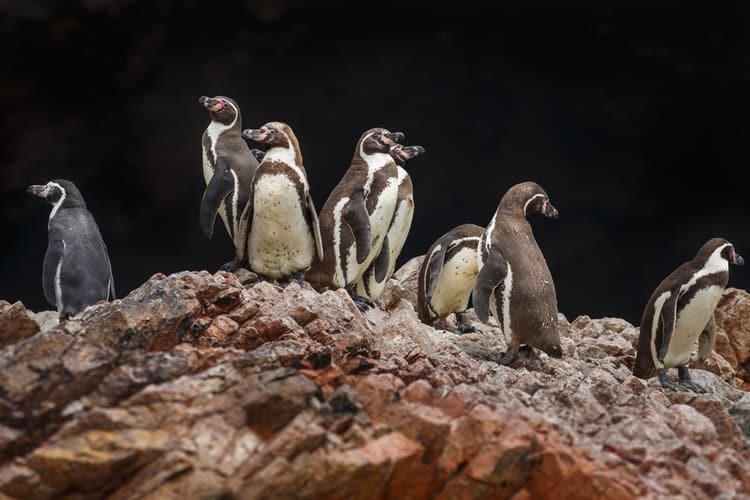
(59, 192)
(403, 153)
(378, 140)
(272, 135)
(528, 198)
(221, 109)
(720, 248)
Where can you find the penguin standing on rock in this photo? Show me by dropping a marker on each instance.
(447, 277)
(228, 169)
(355, 219)
(284, 234)
(380, 271)
(680, 311)
(76, 271)
(514, 283)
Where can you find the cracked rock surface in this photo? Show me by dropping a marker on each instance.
(219, 386)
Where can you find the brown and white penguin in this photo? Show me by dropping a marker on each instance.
(357, 214)
(228, 169)
(680, 310)
(514, 283)
(284, 236)
(382, 267)
(447, 277)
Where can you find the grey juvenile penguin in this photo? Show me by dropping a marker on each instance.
(514, 282)
(680, 310)
(228, 169)
(374, 279)
(357, 214)
(284, 234)
(447, 277)
(76, 271)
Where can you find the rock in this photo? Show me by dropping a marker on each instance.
(733, 330)
(403, 284)
(47, 320)
(223, 386)
(16, 323)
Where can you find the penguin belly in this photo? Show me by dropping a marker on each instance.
(281, 242)
(455, 284)
(397, 234)
(691, 321)
(380, 220)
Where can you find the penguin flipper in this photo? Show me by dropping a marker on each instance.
(707, 340)
(315, 226)
(382, 262)
(52, 260)
(492, 274)
(355, 216)
(434, 268)
(668, 315)
(218, 188)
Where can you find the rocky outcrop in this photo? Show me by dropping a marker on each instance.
(220, 386)
(733, 333)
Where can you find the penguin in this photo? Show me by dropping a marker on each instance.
(284, 236)
(514, 283)
(355, 218)
(76, 271)
(680, 311)
(258, 154)
(228, 169)
(447, 276)
(382, 267)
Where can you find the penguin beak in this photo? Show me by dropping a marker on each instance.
(737, 259)
(549, 211)
(389, 138)
(256, 134)
(407, 153)
(38, 191)
(210, 103)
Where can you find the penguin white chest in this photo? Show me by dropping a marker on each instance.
(455, 283)
(380, 218)
(691, 320)
(281, 242)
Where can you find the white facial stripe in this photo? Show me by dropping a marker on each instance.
(375, 162)
(287, 156)
(59, 202)
(528, 202)
(715, 264)
(215, 129)
(338, 273)
(461, 240)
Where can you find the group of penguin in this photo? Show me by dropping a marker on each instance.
(262, 196)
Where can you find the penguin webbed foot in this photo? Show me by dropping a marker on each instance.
(231, 266)
(665, 382)
(363, 303)
(298, 277)
(464, 324)
(507, 357)
(685, 381)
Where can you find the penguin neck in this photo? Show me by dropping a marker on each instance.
(290, 156)
(713, 265)
(216, 129)
(374, 162)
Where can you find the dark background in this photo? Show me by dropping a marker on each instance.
(633, 116)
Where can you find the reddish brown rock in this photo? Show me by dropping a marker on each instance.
(733, 330)
(16, 323)
(200, 385)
